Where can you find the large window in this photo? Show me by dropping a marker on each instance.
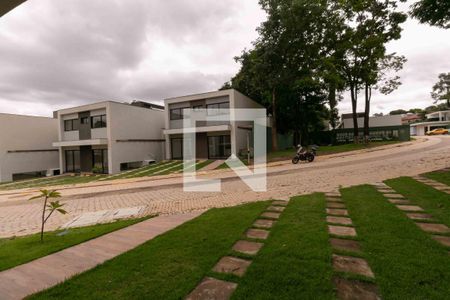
(71, 125)
(218, 108)
(177, 113)
(219, 147)
(100, 161)
(73, 161)
(98, 121)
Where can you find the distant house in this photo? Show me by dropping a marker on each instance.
(107, 137)
(410, 118)
(388, 127)
(439, 119)
(26, 147)
(381, 121)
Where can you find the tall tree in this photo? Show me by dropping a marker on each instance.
(441, 90)
(433, 12)
(371, 24)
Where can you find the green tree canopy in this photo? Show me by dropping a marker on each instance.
(433, 12)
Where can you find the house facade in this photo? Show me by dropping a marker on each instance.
(214, 140)
(108, 137)
(381, 121)
(439, 119)
(26, 147)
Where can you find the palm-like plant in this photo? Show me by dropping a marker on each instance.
(50, 207)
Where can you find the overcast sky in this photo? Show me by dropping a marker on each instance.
(57, 54)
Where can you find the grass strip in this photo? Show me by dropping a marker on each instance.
(433, 201)
(167, 267)
(295, 262)
(19, 250)
(407, 263)
(441, 176)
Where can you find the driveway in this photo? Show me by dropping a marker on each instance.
(166, 196)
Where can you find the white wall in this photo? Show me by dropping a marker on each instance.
(25, 133)
(126, 122)
(395, 120)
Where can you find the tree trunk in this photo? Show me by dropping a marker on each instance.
(366, 114)
(354, 96)
(332, 102)
(43, 220)
(274, 122)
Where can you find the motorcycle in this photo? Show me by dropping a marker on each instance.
(305, 154)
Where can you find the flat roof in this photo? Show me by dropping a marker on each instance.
(24, 116)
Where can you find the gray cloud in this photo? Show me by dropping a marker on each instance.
(61, 53)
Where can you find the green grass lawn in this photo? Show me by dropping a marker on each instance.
(433, 201)
(441, 176)
(407, 262)
(167, 267)
(325, 150)
(295, 262)
(50, 181)
(20, 250)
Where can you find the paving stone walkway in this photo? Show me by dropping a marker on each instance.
(423, 220)
(343, 240)
(45, 272)
(433, 183)
(212, 288)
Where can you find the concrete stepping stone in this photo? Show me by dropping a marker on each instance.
(280, 203)
(333, 194)
(263, 223)
(444, 240)
(399, 201)
(337, 212)
(345, 245)
(387, 191)
(350, 264)
(394, 196)
(211, 288)
(341, 230)
(339, 220)
(355, 290)
(247, 247)
(270, 215)
(409, 207)
(232, 265)
(257, 234)
(434, 228)
(419, 216)
(338, 200)
(335, 205)
(276, 208)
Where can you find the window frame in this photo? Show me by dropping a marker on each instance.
(180, 114)
(103, 122)
(71, 127)
(219, 108)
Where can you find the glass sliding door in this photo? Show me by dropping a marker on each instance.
(72, 161)
(100, 161)
(176, 145)
(219, 147)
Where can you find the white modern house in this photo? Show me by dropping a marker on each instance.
(108, 137)
(439, 119)
(26, 147)
(214, 140)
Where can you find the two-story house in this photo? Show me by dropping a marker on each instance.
(434, 120)
(108, 137)
(26, 147)
(214, 140)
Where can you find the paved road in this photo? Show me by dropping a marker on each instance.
(166, 196)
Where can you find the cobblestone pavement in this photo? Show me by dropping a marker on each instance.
(166, 196)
